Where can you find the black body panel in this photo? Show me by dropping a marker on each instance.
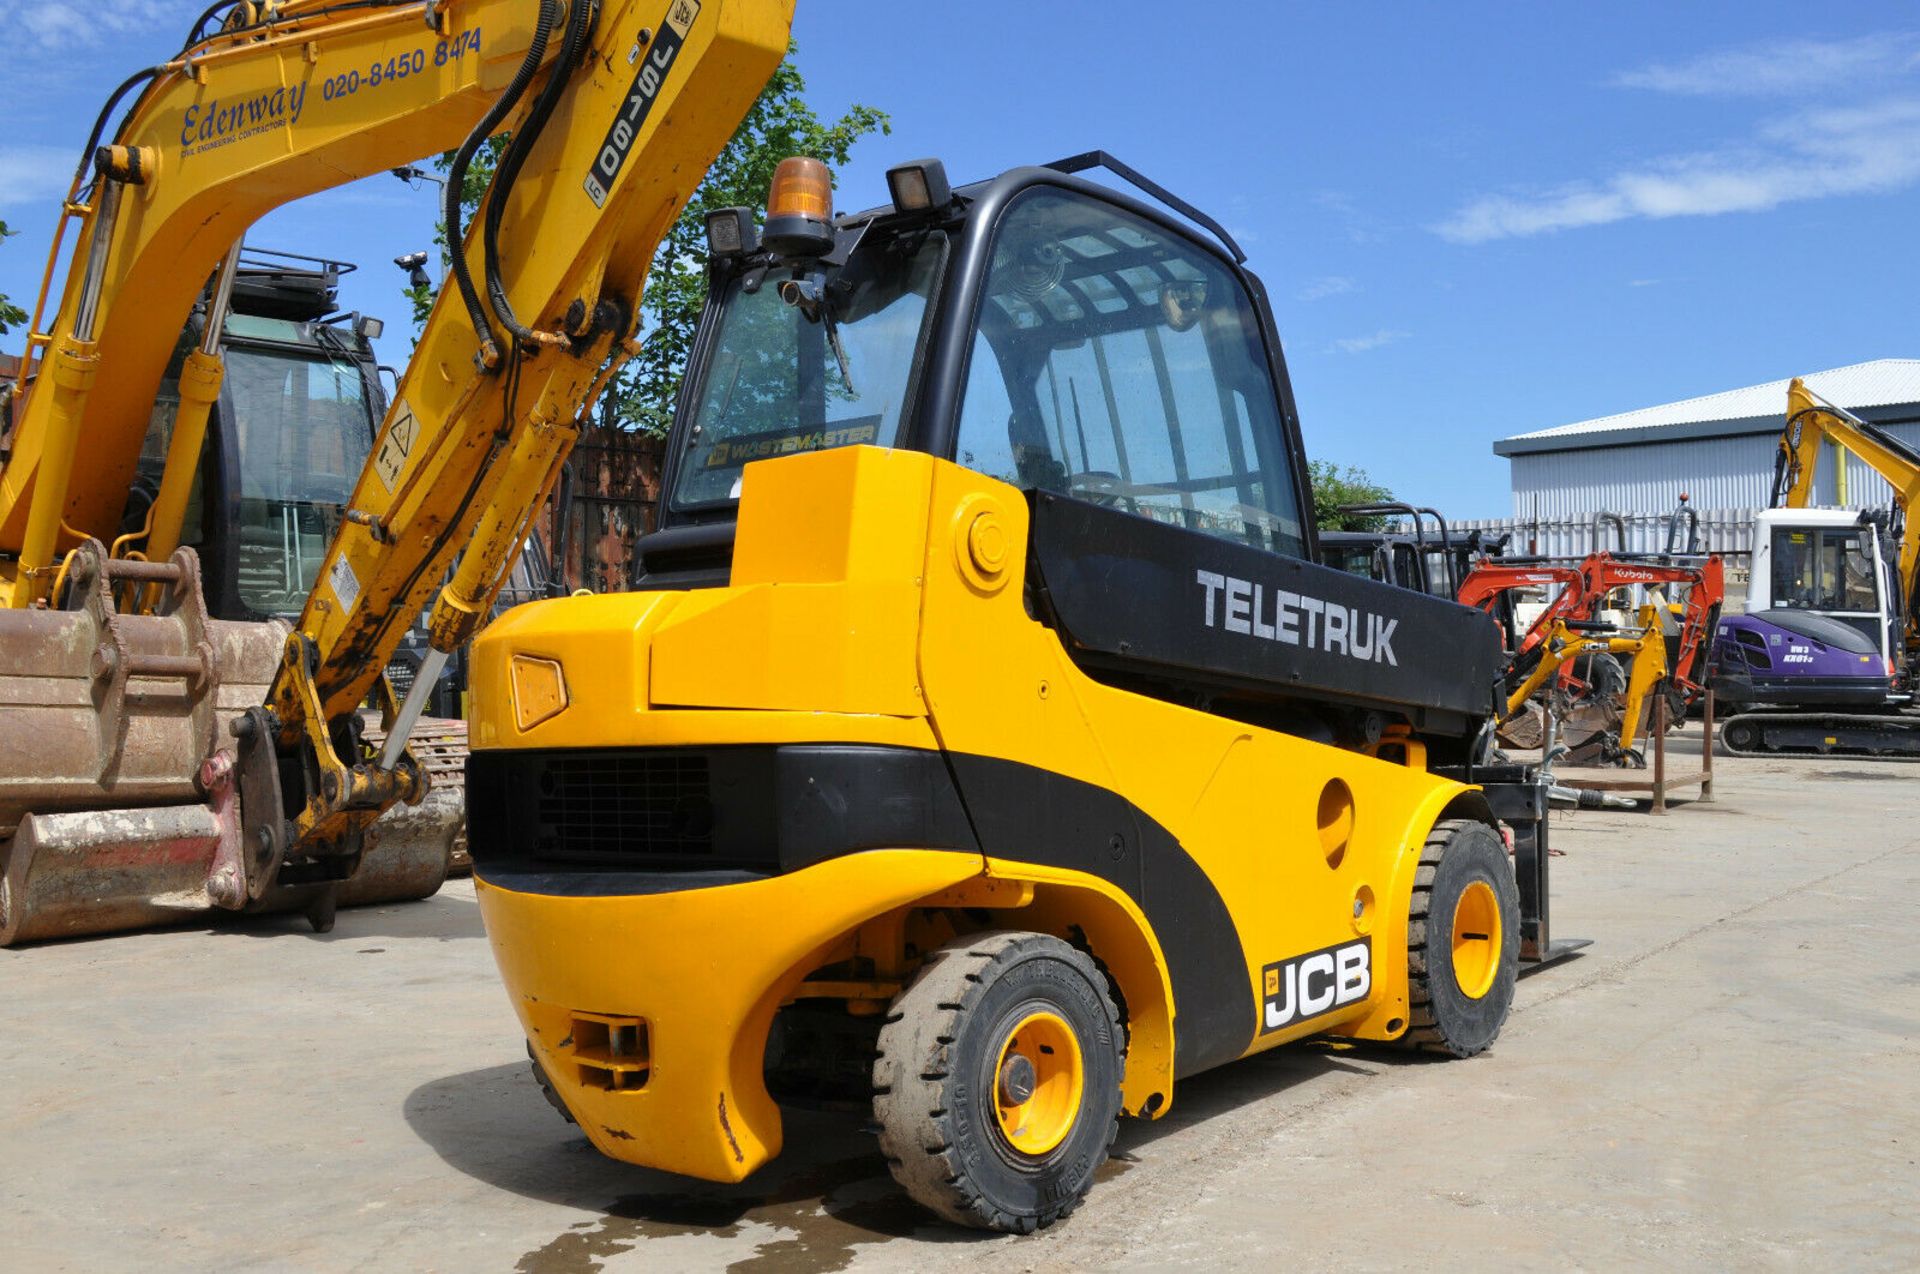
(1028, 814)
(1128, 591)
(608, 822)
(1736, 685)
(636, 812)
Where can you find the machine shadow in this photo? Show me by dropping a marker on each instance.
(827, 1193)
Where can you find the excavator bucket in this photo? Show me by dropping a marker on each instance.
(119, 807)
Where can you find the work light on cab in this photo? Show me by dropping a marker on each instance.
(920, 186)
(730, 232)
(800, 208)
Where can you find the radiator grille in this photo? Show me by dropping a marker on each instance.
(613, 807)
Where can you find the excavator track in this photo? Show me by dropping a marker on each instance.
(1784, 734)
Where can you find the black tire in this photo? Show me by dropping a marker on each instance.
(934, 1090)
(1606, 679)
(1461, 859)
(547, 1089)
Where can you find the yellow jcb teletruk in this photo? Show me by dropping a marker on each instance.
(985, 740)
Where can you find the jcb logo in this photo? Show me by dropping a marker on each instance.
(639, 100)
(1319, 982)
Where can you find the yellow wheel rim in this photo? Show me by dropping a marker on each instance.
(1476, 939)
(1037, 1083)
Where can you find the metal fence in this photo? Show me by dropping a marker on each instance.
(1725, 531)
(610, 498)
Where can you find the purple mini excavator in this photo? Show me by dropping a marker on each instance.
(1822, 633)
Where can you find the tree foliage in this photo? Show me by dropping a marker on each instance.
(11, 315)
(1337, 485)
(780, 123)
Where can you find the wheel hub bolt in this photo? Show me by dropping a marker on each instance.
(1016, 1080)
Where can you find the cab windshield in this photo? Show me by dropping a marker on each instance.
(787, 378)
(1824, 569)
(304, 429)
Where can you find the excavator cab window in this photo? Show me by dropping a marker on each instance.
(304, 429)
(1824, 569)
(153, 460)
(1114, 361)
(787, 377)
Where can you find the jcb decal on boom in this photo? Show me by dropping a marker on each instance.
(641, 96)
(1316, 983)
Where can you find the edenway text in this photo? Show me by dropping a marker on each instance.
(1296, 619)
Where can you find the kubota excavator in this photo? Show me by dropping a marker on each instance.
(161, 763)
(1597, 696)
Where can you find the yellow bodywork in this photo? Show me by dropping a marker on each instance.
(876, 598)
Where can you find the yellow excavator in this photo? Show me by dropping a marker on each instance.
(985, 742)
(157, 763)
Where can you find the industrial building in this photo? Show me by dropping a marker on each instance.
(1718, 449)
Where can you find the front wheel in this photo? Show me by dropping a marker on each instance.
(1463, 940)
(997, 1081)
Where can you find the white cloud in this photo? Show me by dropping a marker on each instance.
(1361, 344)
(1321, 289)
(1643, 283)
(1813, 154)
(35, 174)
(67, 26)
(1781, 67)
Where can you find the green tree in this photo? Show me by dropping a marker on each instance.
(780, 123)
(11, 315)
(1336, 485)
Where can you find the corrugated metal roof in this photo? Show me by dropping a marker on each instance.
(1879, 383)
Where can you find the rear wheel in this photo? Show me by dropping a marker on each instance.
(1463, 940)
(997, 1082)
(547, 1089)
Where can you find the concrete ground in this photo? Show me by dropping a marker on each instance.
(1728, 1078)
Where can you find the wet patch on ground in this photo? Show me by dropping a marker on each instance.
(825, 1213)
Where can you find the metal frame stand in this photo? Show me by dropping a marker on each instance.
(1663, 783)
(1522, 805)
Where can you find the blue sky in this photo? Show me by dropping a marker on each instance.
(1474, 219)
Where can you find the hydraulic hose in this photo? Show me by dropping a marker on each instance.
(100, 121)
(579, 24)
(457, 176)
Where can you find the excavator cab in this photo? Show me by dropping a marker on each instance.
(984, 740)
(286, 439)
